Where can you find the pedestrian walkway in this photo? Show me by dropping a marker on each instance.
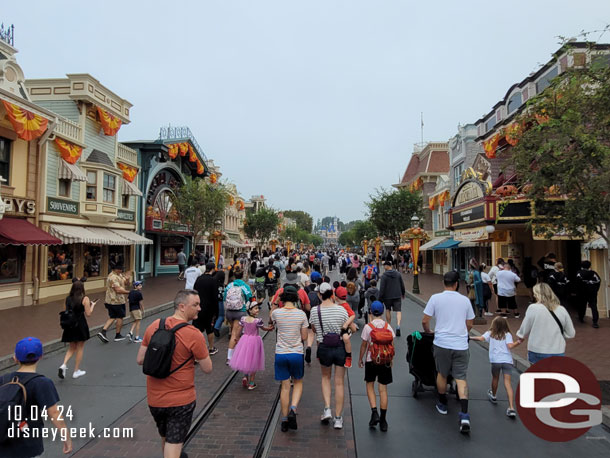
(42, 320)
(590, 346)
(322, 441)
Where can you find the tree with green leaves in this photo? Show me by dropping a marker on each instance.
(303, 219)
(316, 240)
(261, 224)
(363, 230)
(199, 205)
(562, 155)
(390, 212)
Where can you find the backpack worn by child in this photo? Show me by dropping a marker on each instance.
(235, 298)
(369, 273)
(382, 345)
(13, 397)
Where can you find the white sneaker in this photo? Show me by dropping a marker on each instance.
(326, 416)
(62, 371)
(78, 373)
(338, 424)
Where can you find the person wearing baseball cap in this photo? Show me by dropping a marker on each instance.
(382, 373)
(341, 295)
(40, 394)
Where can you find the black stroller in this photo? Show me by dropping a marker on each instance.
(421, 364)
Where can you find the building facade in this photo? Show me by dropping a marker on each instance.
(21, 171)
(428, 172)
(165, 163)
(482, 214)
(88, 189)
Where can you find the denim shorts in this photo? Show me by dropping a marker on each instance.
(534, 357)
(505, 368)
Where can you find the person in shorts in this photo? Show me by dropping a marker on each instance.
(328, 321)
(291, 324)
(172, 399)
(391, 293)
(116, 296)
(375, 372)
(507, 290)
(135, 308)
(454, 318)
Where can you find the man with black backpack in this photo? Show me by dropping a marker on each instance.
(18, 437)
(272, 276)
(168, 352)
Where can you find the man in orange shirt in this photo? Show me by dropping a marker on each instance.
(171, 400)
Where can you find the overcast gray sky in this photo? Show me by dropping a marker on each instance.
(312, 103)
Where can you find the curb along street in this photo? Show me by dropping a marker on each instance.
(7, 362)
(521, 364)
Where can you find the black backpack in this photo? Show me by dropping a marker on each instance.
(158, 357)
(13, 394)
(67, 317)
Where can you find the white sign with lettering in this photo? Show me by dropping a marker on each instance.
(468, 193)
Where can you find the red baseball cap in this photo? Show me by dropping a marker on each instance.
(341, 292)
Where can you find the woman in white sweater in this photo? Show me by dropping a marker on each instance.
(546, 336)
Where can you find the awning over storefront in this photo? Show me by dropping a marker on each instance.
(449, 243)
(97, 235)
(133, 237)
(598, 244)
(15, 231)
(130, 189)
(233, 243)
(69, 171)
(432, 243)
(469, 245)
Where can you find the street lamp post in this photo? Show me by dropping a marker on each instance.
(415, 234)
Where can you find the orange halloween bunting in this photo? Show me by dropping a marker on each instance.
(111, 124)
(27, 125)
(69, 151)
(129, 172)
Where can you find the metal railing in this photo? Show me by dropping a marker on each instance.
(180, 133)
(7, 34)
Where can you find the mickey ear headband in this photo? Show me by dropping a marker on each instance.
(251, 305)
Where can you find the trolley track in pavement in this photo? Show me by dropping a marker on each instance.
(219, 395)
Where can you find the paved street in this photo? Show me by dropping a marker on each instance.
(416, 429)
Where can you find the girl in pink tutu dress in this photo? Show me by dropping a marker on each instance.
(249, 355)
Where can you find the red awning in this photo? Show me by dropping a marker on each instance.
(15, 231)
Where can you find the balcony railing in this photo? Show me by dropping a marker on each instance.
(126, 154)
(69, 129)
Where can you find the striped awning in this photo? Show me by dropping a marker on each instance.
(96, 235)
(597, 244)
(72, 172)
(75, 234)
(134, 238)
(130, 189)
(432, 243)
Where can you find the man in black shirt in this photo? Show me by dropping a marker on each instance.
(207, 287)
(587, 283)
(42, 398)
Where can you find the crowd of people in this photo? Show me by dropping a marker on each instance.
(305, 306)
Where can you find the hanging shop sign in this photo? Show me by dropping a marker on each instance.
(475, 234)
(441, 234)
(62, 206)
(476, 213)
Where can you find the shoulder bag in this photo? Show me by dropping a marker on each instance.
(557, 321)
(332, 339)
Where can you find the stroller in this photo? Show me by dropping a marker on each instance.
(421, 364)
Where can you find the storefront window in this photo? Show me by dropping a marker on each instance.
(116, 257)
(60, 262)
(169, 249)
(10, 263)
(92, 257)
(63, 189)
